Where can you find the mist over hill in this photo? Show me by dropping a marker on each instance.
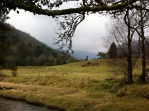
(81, 55)
(26, 50)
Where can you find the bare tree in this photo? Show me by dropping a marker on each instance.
(142, 20)
(123, 35)
(136, 20)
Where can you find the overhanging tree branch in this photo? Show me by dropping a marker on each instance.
(12, 4)
(67, 28)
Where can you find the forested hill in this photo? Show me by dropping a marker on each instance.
(26, 50)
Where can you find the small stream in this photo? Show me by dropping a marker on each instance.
(12, 105)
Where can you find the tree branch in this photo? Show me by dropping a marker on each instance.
(37, 10)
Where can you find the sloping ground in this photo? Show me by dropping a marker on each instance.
(25, 50)
(72, 87)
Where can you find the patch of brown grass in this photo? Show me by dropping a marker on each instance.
(75, 88)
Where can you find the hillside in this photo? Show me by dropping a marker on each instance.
(26, 50)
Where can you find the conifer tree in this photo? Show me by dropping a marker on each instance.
(112, 53)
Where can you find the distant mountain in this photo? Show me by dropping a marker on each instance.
(81, 55)
(26, 50)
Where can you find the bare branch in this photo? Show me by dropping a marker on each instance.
(38, 10)
(67, 28)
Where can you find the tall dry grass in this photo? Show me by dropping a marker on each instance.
(81, 86)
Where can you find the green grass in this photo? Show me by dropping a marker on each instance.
(79, 86)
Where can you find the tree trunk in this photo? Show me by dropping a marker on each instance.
(129, 61)
(143, 76)
(143, 49)
(129, 57)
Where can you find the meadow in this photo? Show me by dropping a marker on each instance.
(80, 86)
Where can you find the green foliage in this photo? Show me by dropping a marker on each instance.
(101, 55)
(10, 66)
(4, 44)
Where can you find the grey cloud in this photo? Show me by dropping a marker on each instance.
(87, 36)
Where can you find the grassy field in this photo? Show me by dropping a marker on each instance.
(80, 86)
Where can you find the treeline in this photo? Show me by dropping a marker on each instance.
(25, 50)
(118, 51)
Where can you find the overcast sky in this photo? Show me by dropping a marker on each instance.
(88, 36)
